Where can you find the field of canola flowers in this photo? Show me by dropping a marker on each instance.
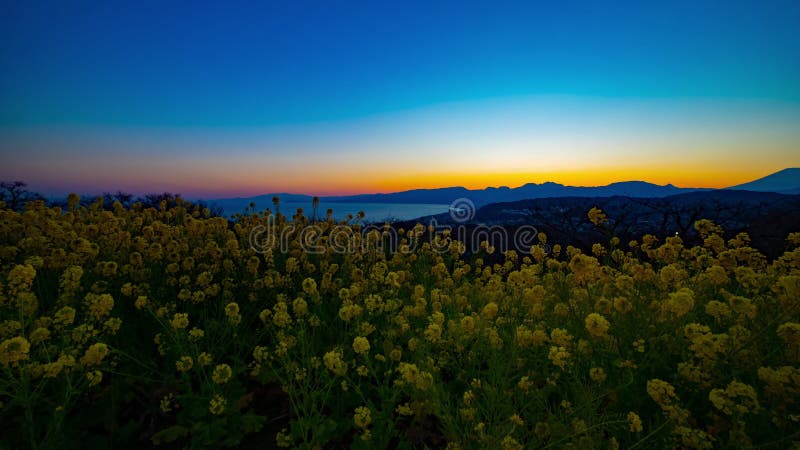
(161, 327)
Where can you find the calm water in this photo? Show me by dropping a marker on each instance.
(374, 212)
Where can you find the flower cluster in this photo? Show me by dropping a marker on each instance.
(212, 336)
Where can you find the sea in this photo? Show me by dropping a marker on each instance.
(373, 212)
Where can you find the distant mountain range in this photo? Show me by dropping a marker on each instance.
(786, 181)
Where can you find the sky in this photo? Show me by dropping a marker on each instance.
(239, 99)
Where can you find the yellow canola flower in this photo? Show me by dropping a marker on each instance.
(411, 374)
(40, 334)
(597, 325)
(300, 307)
(204, 359)
(21, 277)
(196, 334)
(404, 410)
(634, 423)
(681, 302)
(597, 216)
(14, 350)
(309, 286)
(661, 392)
(789, 332)
(100, 305)
(490, 310)
(184, 364)
(736, 399)
(260, 354)
(166, 403)
(64, 317)
(222, 374)
(94, 355)
(333, 361)
(362, 417)
(561, 337)
(94, 377)
(180, 321)
(559, 356)
(597, 374)
(361, 345)
(232, 310)
(217, 405)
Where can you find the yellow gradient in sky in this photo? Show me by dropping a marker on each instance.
(501, 142)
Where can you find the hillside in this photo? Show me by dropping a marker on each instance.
(784, 181)
(768, 217)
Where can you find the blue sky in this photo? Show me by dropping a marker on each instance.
(260, 83)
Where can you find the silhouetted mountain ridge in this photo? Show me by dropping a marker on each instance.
(479, 197)
(785, 181)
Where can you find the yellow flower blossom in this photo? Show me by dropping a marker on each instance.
(333, 361)
(64, 316)
(94, 355)
(634, 423)
(490, 310)
(509, 443)
(300, 307)
(309, 286)
(204, 359)
(736, 399)
(411, 374)
(99, 305)
(232, 310)
(184, 364)
(597, 216)
(14, 350)
(597, 374)
(362, 417)
(559, 356)
(40, 334)
(166, 403)
(20, 278)
(404, 410)
(94, 377)
(222, 374)
(597, 325)
(681, 302)
(361, 345)
(217, 405)
(180, 321)
(196, 334)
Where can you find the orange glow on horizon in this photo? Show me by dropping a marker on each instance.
(685, 177)
(243, 178)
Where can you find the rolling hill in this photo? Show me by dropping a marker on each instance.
(786, 181)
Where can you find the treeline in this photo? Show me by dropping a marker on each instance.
(15, 195)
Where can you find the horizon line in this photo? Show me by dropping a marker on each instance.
(334, 195)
